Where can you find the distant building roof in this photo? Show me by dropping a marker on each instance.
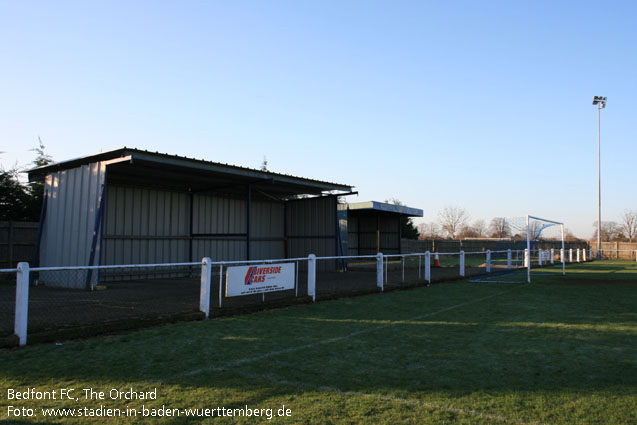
(385, 207)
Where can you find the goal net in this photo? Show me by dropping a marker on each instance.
(529, 246)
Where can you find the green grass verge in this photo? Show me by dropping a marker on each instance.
(562, 350)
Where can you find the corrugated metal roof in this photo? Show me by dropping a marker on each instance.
(385, 207)
(183, 161)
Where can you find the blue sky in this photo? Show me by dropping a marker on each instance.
(481, 105)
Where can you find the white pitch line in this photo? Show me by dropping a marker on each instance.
(413, 402)
(323, 342)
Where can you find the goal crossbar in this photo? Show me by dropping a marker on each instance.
(543, 219)
(528, 242)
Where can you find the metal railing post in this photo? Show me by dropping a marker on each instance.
(461, 263)
(539, 257)
(508, 259)
(22, 302)
(220, 285)
(379, 271)
(488, 261)
(552, 255)
(204, 291)
(428, 267)
(311, 276)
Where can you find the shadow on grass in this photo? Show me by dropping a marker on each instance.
(552, 337)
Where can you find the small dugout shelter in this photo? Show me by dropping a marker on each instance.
(373, 227)
(131, 206)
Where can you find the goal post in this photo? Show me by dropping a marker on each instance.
(526, 247)
(535, 226)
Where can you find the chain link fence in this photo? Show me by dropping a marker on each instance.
(69, 302)
(7, 304)
(80, 302)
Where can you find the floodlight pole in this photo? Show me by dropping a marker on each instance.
(599, 180)
(600, 101)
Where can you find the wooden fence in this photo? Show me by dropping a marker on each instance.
(17, 242)
(410, 245)
(622, 250)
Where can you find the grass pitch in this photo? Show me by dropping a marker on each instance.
(562, 350)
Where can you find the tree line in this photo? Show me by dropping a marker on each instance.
(454, 223)
(624, 230)
(19, 200)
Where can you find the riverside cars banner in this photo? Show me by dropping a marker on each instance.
(247, 280)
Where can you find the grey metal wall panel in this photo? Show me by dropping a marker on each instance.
(267, 219)
(146, 226)
(389, 224)
(67, 234)
(215, 214)
(352, 234)
(363, 234)
(218, 216)
(312, 229)
(219, 250)
(267, 232)
(261, 250)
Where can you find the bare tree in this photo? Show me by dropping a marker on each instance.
(429, 230)
(476, 230)
(480, 228)
(467, 231)
(610, 231)
(628, 224)
(499, 228)
(569, 236)
(452, 220)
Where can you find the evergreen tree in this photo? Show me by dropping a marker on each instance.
(22, 201)
(14, 197)
(36, 189)
(407, 228)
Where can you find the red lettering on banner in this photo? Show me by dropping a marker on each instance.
(258, 274)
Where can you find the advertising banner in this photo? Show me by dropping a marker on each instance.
(247, 280)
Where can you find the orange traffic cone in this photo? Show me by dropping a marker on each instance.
(436, 258)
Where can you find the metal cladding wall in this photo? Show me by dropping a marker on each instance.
(145, 226)
(267, 230)
(213, 215)
(311, 229)
(220, 227)
(366, 230)
(154, 226)
(148, 224)
(72, 202)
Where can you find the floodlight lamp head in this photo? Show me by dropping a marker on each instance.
(599, 100)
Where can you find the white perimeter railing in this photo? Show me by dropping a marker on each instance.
(382, 265)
